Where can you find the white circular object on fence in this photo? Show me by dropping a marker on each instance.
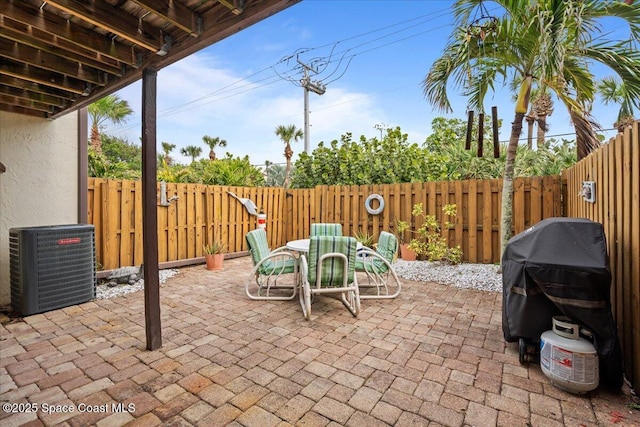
(367, 204)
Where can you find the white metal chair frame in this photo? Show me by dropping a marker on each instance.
(349, 292)
(377, 277)
(271, 269)
(266, 283)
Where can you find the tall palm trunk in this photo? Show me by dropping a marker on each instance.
(288, 153)
(506, 216)
(542, 130)
(530, 121)
(96, 143)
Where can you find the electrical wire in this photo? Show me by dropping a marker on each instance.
(296, 70)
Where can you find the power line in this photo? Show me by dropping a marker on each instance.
(229, 89)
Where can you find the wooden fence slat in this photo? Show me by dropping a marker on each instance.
(126, 244)
(487, 223)
(535, 196)
(472, 221)
(458, 221)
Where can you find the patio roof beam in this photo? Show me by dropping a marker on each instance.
(47, 61)
(174, 12)
(113, 20)
(56, 50)
(67, 34)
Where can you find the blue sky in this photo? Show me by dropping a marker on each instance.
(373, 56)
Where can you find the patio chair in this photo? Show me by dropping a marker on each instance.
(378, 267)
(275, 272)
(330, 269)
(326, 229)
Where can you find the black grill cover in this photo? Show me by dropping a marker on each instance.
(560, 266)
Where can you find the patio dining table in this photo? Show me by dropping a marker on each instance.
(302, 245)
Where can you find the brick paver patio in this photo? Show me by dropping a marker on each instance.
(435, 356)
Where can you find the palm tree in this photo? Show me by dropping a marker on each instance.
(192, 151)
(213, 143)
(167, 147)
(111, 108)
(549, 42)
(287, 134)
(274, 174)
(613, 92)
(531, 119)
(542, 107)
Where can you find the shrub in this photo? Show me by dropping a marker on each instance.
(428, 240)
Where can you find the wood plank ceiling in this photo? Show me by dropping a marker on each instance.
(60, 55)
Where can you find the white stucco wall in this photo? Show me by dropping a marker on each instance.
(40, 185)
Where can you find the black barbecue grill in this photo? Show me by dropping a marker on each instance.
(560, 267)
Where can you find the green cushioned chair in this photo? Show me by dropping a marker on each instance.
(326, 229)
(382, 281)
(275, 272)
(330, 268)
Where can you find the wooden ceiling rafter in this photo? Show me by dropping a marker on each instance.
(60, 29)
(58, 51)
(113, 20)
(47, 61)
(175, 13)
(60, 55)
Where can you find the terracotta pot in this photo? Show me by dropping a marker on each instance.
(406, 253)
(214, 261)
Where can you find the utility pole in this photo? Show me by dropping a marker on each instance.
(315, 87)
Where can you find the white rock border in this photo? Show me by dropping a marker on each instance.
(484, 277)
(105, 292)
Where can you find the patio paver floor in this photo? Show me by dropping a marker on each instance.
(434, 356)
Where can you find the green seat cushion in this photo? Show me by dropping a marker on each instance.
(275, 266)
(333, 269)
(387, 248)
(259, 250)
(326, 229)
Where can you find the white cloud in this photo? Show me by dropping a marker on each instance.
(246, 117)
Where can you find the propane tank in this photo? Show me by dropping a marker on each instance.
(570, 361)
(262, 220)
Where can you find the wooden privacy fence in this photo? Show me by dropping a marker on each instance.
(615, 169)
(200, 215)
(203, 213)
(475, 228)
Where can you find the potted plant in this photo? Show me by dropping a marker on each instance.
(364, 238)
(405, 252)
(214, 255)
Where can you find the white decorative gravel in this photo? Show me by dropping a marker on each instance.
(104, 292)
(484, 277)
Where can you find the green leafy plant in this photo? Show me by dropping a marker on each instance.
(401, 227)
(364, 237)
(215, 248)
(428, 240)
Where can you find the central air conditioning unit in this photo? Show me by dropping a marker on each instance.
(51, 267)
